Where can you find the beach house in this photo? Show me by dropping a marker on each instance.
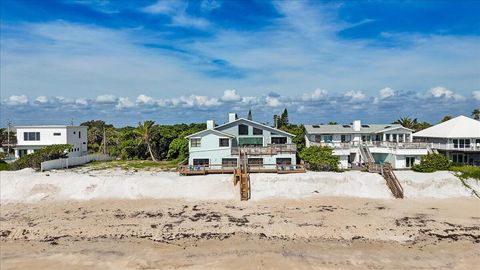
(457, 138)
(31, 138)
(357, 143)
(223, 147)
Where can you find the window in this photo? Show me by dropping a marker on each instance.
(255, 161)
(467, 143)
(394, 137)
(229, 162)
(327, 138)
(79, 134)
(195, 142)
(387, 137)
(346, 138)
(31, 136)
(257, 131)
(57, 134)
(279, 140)
(284, 161)
(242, 130)
(222, 142)
(250, 141)
(200, 161)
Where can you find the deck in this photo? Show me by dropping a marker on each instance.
(252, 168)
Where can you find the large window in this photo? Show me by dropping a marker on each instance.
(200, 161)
(255, 161)
(242, 129)
(279, 140)
(222, 142)
(346, 138)
(284, 161)
(195, 142)
(461, 143)
(327, 138)
(229, 162)
(257, 131)
(31, 136)
(250, 141)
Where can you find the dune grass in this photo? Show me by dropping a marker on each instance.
(466, 174)
(134, 165)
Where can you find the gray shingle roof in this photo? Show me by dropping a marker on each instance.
(348, 129)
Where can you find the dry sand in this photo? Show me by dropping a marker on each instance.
(79, 220)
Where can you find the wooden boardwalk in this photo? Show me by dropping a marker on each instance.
(391, 179)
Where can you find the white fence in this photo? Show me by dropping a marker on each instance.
(72, 161)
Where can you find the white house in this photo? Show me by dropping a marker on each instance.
(359, 143)
(220, 146)
(31, 138)
(457, 138)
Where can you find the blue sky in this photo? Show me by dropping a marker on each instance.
(186, 61)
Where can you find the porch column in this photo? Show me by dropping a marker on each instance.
(384, 137)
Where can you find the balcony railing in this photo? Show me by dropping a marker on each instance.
(271, 149)
(392, 145)
(451, 146)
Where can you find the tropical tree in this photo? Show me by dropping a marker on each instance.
(476, 114)
(406, 122)
(146, 131)
(445, 118)
(332, 123)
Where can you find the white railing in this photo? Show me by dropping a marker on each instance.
(393, 145)
(72, 161)
(451, 146)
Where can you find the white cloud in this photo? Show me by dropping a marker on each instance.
(443, 92)
(17, 100)
(81, 101)
(41, 99)
(164, 7)
(124, 103)
(143, 99)
(106, 99)
(316, 95)
(195, 101)
(64, 100)
(476, 94)
(272, 101)
(230, 95)
(177, 10)
(209, 5)
(386, 93)
(355, 95)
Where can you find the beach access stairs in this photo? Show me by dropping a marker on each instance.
(386, 170)
(241, 176)
(365, 153)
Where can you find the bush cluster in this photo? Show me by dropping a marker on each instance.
(432, 163)
(43, 154)
(320, 158)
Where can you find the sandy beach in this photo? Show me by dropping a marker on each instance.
(43, 226)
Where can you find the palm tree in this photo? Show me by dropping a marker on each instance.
(445, 118)
(407, 122)
(146, 131)
(476, 114)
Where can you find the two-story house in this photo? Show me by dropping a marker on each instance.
(263, 147)
(457, 138)
(359, 143)
(31, 138)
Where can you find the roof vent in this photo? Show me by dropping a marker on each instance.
(316, 126)
(365, 126)
(388, 126)
(346, 126)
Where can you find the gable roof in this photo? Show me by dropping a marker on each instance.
(271, 129)
(458, 127)
(348, 129)
(200, 133)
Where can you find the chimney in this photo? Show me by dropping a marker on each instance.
(232, 117)
(357, 125)
(210, 124)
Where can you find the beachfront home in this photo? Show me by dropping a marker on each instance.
(31, 138)
(358, 143)
(457, 138)
(262, 147)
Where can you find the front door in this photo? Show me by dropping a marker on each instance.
(410, 161)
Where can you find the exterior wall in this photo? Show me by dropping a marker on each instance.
(68, 135)
(267, 135)
(209, 149)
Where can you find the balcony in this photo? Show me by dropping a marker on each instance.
(271, 149)
(390, 145)
(455, 147)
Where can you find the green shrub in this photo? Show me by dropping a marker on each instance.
(466, 173)
(178, 149)
(4, 166)
(320, 158)
(432, 163)
(43, 154)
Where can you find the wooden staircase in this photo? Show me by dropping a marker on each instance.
(366, 154)
(242, 175)
(391, 179)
